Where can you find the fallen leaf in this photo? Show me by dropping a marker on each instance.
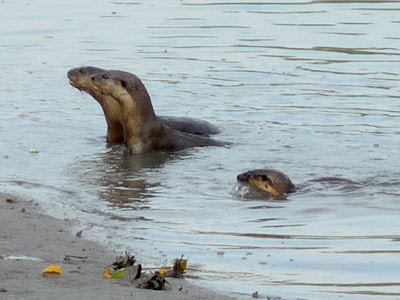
(107, 273)
(182, 263)
(165, 271)
(53, 269)
(120, 273)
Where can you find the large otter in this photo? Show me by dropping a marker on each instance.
(80, 79)
(273, 182)
(144, 131)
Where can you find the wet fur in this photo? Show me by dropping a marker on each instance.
(268, 180)
(80, 78)
(144, 131)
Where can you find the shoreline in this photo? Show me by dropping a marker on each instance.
(30, 240)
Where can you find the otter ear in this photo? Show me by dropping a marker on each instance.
(124, 84)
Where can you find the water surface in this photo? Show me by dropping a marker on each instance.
(307, 87)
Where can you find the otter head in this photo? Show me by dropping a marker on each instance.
(80, 78)
(107, 85)
(271, 181)
(118, 83)
(127, 89)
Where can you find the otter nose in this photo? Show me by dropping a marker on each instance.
(244, 177)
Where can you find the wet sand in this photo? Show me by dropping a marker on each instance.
(29, 233)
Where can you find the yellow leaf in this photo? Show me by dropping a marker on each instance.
(53, 269)
(165, 271)
(107, 273)
(182, 263)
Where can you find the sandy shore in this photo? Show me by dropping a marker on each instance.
(26, 232)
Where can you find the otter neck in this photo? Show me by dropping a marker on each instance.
(111, 113)
(139, 121)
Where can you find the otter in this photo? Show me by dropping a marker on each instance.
(274, 182)
(144, 131)
(80, 78)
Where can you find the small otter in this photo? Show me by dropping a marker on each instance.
(80, 78)
(143, 130)
(271, 181)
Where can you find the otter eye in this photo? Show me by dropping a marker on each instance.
(264, 177)
(124, 84)
(105, 76)
(81, 70)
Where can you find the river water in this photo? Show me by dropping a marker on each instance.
(310, 88)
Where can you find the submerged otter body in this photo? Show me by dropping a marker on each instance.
(144, 131)
(271, 181)
(274, 184)
(80, 78)
(190, 125)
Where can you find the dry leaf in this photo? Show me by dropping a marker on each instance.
(107, 273)
(53, 269)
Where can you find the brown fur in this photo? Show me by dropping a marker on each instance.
(271, 181)
(80, 78)
(143, 130)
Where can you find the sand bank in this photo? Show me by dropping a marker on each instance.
(30, 240)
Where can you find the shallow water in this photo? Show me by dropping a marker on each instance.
(306, 87)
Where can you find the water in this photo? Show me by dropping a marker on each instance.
(306, 87)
